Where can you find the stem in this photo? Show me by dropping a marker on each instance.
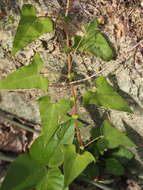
(79, 81)
(97, 184)
(75, 112)
(10, 120)
(67, 8)
(73, 90)
(68, 55)
(87, 78)
(92, 141)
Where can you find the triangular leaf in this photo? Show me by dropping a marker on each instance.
(94, 42)
(114, 167)
(54, 180)
(30, 27)
(23, 173)
(106, 96)
(26, 77)
(114, 137)
(74, 163)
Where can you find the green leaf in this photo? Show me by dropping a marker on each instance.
(94, 42)
(94, 151)
(92, 171)
(95, 132)
(105, 96)
(76, 42)
(102, 145)
(114, 167)
(23, 173)
(74, 163)
(114, 137)
(54, 180)
(123, 155)
(52, 114)
(66, 132)
(49, 153)
(30, 28)
(92, 26)
(26, 77)
(47, 149)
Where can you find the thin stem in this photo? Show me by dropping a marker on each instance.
(87, 78)
(75, 112)
(67, 8)
(97, 184)
(5, 118)
(141, 41)
(78, 81)
(92, 141)
(68, 55)
(73, 90)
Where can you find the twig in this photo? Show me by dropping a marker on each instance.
(141, 41)
(10, 120)
(77, 81)
(87, 78)
(68, 55)
(67, 8)
(97, 184)
(92, 141)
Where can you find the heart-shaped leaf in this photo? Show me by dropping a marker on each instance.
(105, 96)
(74, 163)
(94, 42)
(26, 77)
(23, 173)
(30, 27)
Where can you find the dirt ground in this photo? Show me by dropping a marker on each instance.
(122, 22)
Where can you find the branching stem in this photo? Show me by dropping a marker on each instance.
(73, 89)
